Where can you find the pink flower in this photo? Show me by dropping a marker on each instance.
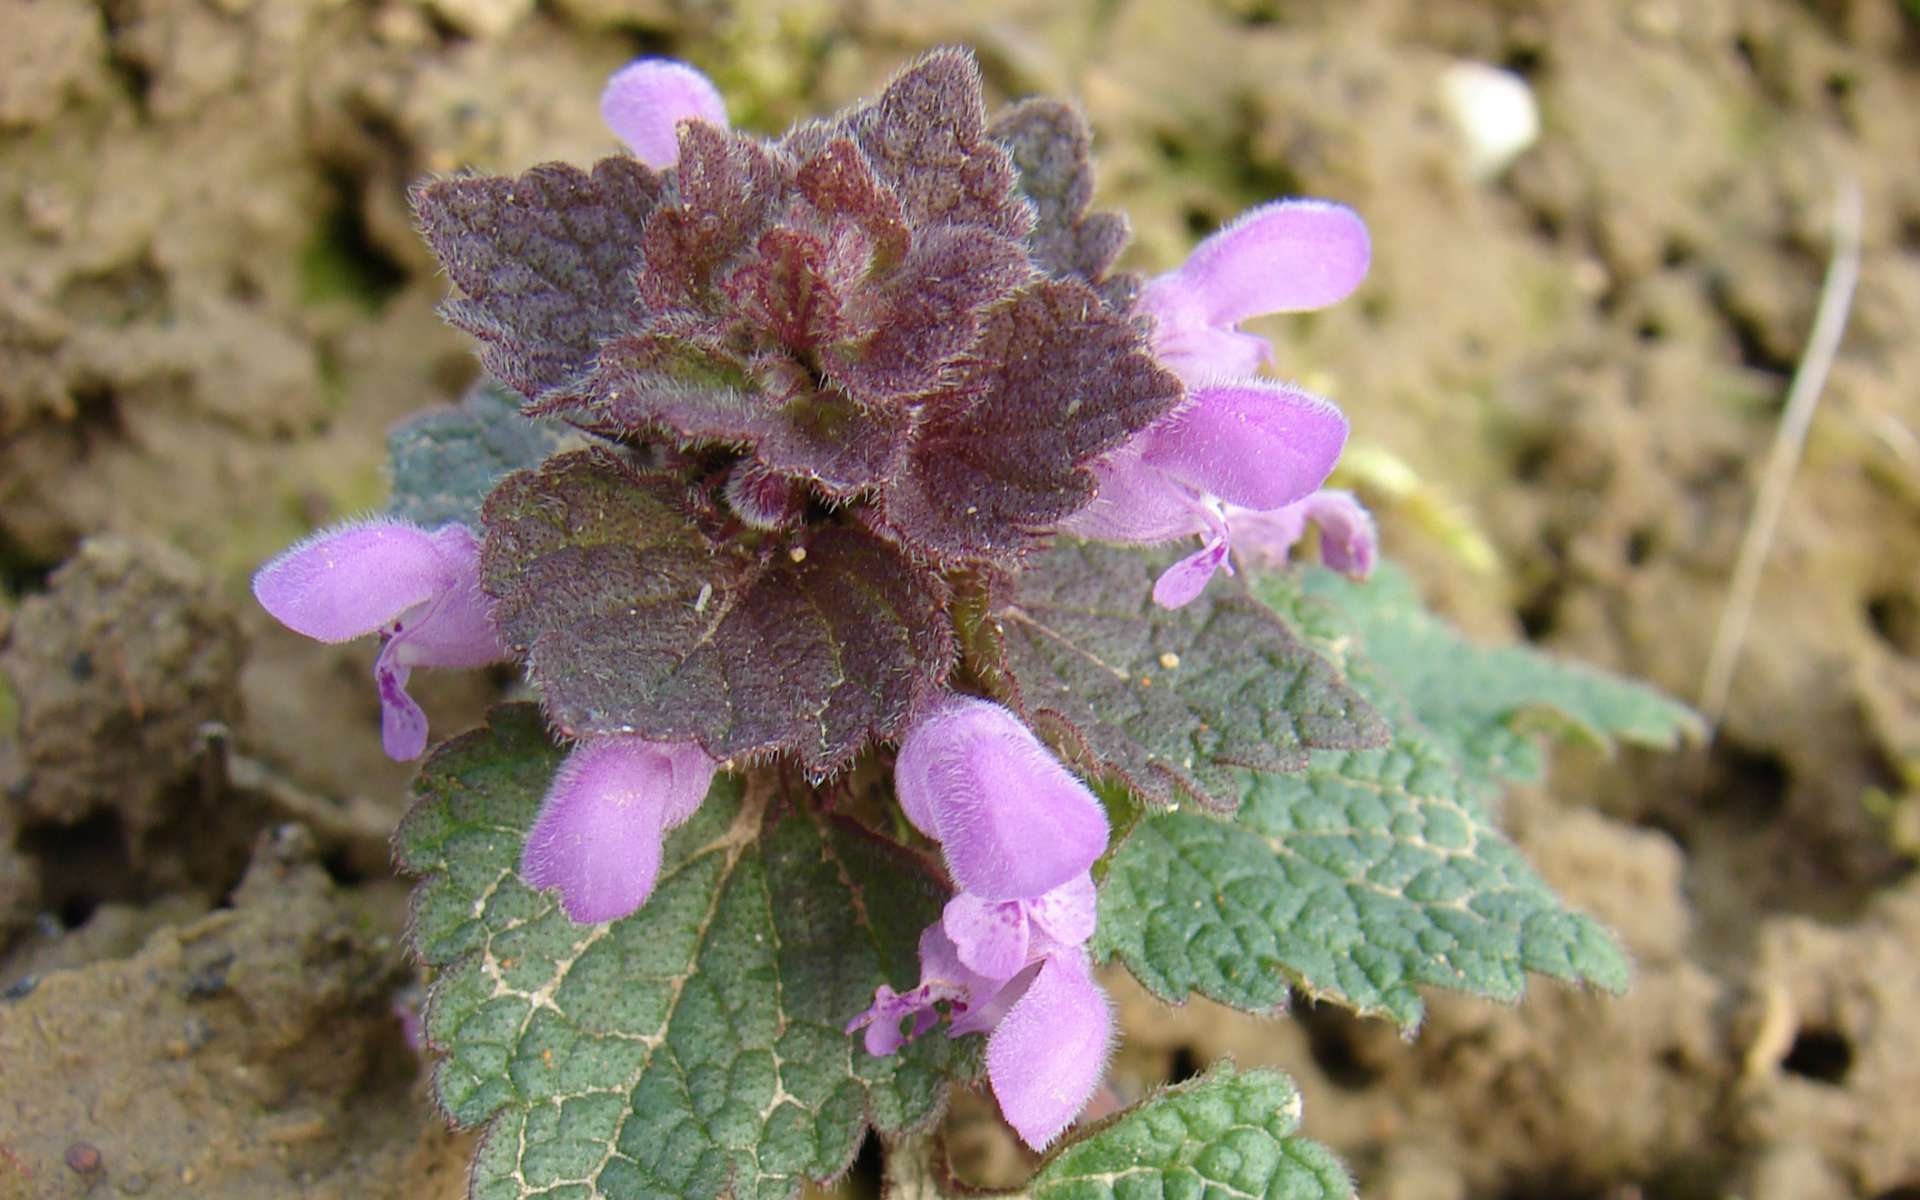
(1008, 955)
(646, 100)
(1017, 971)
(1012, 821)
(419, 590)
(1348, 538)
(1239, 444)
(1285, 256)
(598, 836)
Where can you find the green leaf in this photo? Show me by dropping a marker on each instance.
(1371, 874)
(693, 1049)
(445, 460)
(1170, 702)
(1472, 696)
(1226, 1134)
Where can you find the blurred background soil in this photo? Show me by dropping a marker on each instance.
(1563, 382)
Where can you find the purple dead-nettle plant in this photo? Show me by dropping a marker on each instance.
(831, 380)
(820, 488)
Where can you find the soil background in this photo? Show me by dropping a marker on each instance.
(1563, 382)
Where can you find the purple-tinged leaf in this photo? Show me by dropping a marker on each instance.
(1168, 702)
(634, 621)
(730, 188)
(926, 313)
(690, 387)
(544, 262)
(1051, 149)
(1002, 456)
(926, 136)
(839, 183)
(784, 289)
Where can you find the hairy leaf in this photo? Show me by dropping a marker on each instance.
(839, 183)
(1471, 697)
(1001, 456)
(1372, 874)
(1170, 702)
(924, 315)
(926, 138)
(1052, 150)
(785, 290)
(634, 619)
(1228, 1133)
(729, 188)
(679, 382)
(544, 261)
(444, 461)
(693, 1049)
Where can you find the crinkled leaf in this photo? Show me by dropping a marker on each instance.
(1357, 881)
(926, 136)
(1052, 150)
(693, 1049)
(634, 619)
(925, 314)
(1473, 697)
(678, 382)
(544, 262)
(1374, 873)
(784, 289)
(838, 181)
(444, 461)
(729, 188)
(1228, 1133)
(1173, 703)
(1001, 456)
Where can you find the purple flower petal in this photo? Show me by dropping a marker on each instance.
(1348, 538)
(1013, 822)
(1265, 540)
(646, 100)
(455, 628)
(1287, 256)
(354, 580)
(597, 838)
(403, 726)
(1252, 443)
(1048, 1054)
(943, 978)
(1136, 503)
(1068, 913)
(1182, 583)
(990, 937)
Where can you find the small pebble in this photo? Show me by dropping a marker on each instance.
(1495, 113)
(83, 1157)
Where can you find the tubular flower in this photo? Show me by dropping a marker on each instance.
(418, 590)
(1008, 954)
(597, 838)
(1012, 822)
(1238, 445)
(1018, 971)
(1348, 538)
(646, 100)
